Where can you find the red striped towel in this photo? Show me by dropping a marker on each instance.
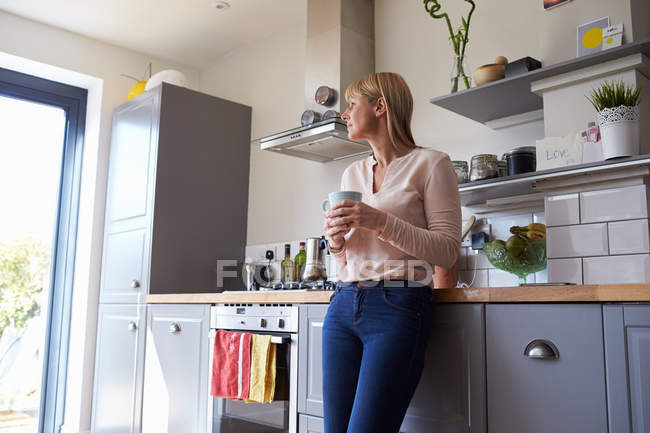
(232, 365)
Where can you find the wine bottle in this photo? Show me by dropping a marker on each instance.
(288, 271)
(299, 262)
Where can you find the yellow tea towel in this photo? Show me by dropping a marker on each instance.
(262, 379)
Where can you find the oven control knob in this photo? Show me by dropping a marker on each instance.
(280, 323)
(263, 323)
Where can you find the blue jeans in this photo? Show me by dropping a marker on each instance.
(374, 340)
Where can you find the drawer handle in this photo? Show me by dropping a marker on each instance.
(135, 284)
(541, 349)
(174, 328)
(132, 326)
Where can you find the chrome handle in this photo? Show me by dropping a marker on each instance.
(174, 328)
(541, 349)
(132, 326)
(135, 284)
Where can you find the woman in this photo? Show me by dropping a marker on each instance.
(378, 321)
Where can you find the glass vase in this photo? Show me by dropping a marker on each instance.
(460, 78)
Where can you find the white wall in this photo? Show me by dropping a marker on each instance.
(38, 49)
(285, 192)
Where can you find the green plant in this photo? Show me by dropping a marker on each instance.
(24, 266)
(614, 94)
(458, 39)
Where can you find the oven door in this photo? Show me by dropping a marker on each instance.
(233, 416)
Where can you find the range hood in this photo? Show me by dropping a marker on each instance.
(340, 50)
(322, 141)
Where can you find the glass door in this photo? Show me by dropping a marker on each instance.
(41, 146)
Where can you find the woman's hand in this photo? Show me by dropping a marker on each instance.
(334, 235)
(355, 214)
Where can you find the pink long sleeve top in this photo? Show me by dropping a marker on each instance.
(419, 193)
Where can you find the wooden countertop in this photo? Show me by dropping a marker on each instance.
(584, 293)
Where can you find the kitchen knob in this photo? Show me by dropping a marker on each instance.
(174, 328)
(263, 323)
(135, 284)
(132, 326)
(280, 323)
(242, 322)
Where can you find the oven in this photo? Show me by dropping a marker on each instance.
(280, 416)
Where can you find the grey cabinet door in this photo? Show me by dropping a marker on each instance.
(119, 364)
(310, 364)
(129, 200)
(530, 395)
(627, 358)
(451, 394)
(176, 382)
(310, 424)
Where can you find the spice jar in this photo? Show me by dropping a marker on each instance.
(503, 167)
(462, 172)
(484, 166)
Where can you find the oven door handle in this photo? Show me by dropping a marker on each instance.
(275, 339)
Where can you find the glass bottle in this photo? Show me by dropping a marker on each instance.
(299, 262)
(287, 269)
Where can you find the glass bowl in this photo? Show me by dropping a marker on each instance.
(531, 259)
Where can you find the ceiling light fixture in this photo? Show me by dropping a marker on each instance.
(220, 5)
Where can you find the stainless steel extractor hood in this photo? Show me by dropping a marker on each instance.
(340, 50)
(323, 142)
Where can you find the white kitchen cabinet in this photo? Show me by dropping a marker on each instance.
(119, 363)
(129, 198)
(177, 374)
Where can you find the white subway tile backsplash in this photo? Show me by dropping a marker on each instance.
(629, 237)
(564, 270)
(562, 210)
(614, 204)
(617, 269)
(480, 278)
(501, 225)
(541, 276)
(576, 241)
(477, 261)
(499, 278)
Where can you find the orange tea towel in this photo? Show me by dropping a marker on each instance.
(231, 365)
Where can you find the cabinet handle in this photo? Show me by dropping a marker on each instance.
(135, 284)
(132, 326)
(541, 349)
(174, 328)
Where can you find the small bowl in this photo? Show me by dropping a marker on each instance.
(492, 72)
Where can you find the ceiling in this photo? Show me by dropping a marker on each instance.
(192, 32)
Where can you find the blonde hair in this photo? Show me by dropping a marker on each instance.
(399, 102)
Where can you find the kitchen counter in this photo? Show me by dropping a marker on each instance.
(582, 293)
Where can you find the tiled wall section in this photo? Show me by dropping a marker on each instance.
(476, 270)
(599, 237)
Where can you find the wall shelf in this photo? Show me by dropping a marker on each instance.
(513, 96)
(481, 192)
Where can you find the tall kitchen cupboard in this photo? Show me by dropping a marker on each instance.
(177, 199)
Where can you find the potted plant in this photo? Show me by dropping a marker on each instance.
(617, 105)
